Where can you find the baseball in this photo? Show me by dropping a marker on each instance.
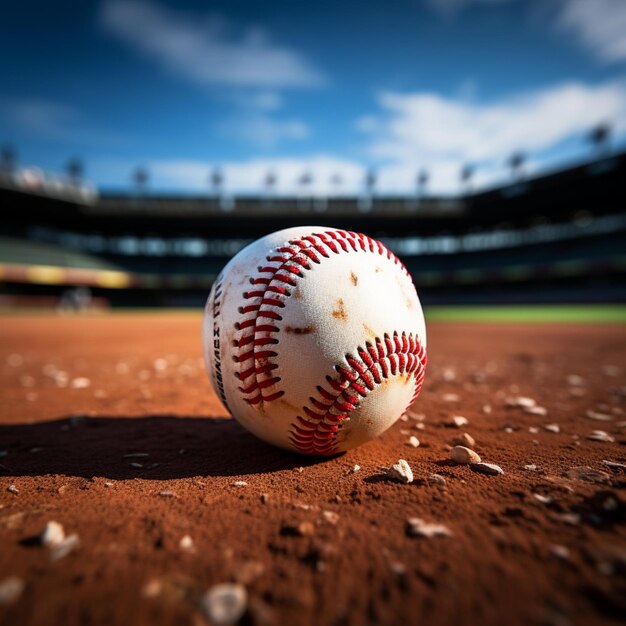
(314, 339)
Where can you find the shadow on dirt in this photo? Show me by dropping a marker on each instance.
(157, 447)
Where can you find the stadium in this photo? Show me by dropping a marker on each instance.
(556, 238)
(417, 414)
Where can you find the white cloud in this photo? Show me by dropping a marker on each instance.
(599, 24)
(204, 51)
(264, 131)
(444, 133)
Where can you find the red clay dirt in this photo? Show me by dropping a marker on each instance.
(108, 426)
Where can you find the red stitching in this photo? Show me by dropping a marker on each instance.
(284, 266)
(400, 354)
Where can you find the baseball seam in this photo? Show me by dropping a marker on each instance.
(272, 285)
(316, 433)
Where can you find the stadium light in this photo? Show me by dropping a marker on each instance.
(8, 159)
(467, 172)
(516, 163)
(370, 182)
(422, 181)
(216, 179)
(140, 178)
(600, 137)
(75, 170)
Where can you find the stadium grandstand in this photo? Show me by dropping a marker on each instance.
(558, 237)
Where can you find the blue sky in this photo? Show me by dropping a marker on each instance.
(324, 87)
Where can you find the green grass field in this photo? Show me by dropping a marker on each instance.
(562, 313)
(608, 313)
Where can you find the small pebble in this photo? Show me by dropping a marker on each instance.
(80, 383)
(417, 527)
(63, 548)
(521, 402)
(599, 417)
(588, 474)
(167, 494)
(13, 489)
(414, 442)
(464, 456)
(436, 479)
(52, 535)
(459, 421)
(186, 544)
(136, 465)
(11, 589)
(531, 467)
(401, 472)
(614, 464)
(536, 410)
(560, 552)
(240, 483)
(108, 484)
(542, 499)
(464, 440)
(553, 428)
(330, 516)
(224, 604)
(600, 435)
(450, 397)
(356, 468)
(487, 468)
(487, 409)
(573, 380)
(533, 430)
(264, 497)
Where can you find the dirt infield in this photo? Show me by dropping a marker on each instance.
(109, 427)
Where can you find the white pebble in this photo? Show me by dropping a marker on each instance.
(560, 552)
(487, 409)
(225, 604)
(437, 479)
(553, 428)
(52, 535)
(11, 589)
(614, 464)
(64, 547)
(599, 417)
(80, 383)
(573, 380)
(417, 527)
(330, 516)
(356, 468)
(459, 420)
(108, 484)
(536, 410)
(531, 467)
(240, 483)
(160, 365)
(465, 440)
(13, 489)
(167, 494)
(414, 442)
(464, 456)
(520, 401)
(186, 544)
(488, 468)
(401, 472)
(450, 397)
(542, 499)
(533, 430)
(600, 435)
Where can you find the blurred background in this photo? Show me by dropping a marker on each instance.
(143, 143)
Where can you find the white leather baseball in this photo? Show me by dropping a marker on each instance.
(314, 339)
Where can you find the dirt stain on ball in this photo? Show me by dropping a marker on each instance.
(354, 279)
(297, 330)
(339, 313)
